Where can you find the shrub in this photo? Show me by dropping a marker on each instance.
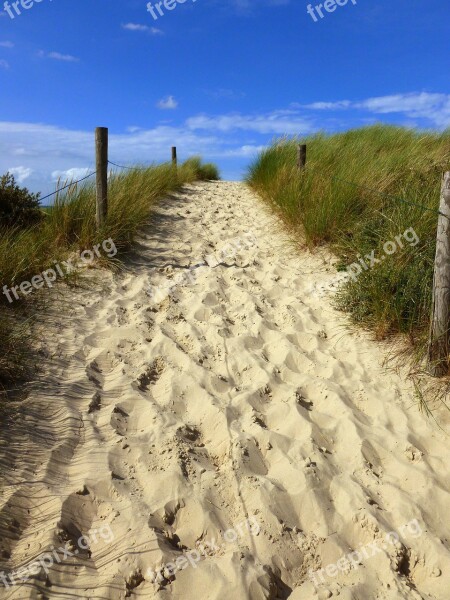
(18, 206)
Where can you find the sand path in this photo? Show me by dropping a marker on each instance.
(234, 426)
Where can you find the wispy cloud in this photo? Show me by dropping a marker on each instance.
(4, 64)
(325, 105)
(21, 173)
(6, 44)
(70, 174)
(431, 108)
(405, 102)
(67, 150)
(168, 103)
(277, 122)
(143, 28)
(246, 151)
(63, 57)
(58, 56)
(228, 136)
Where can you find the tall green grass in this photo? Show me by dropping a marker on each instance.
(69, 226)
(349, 196)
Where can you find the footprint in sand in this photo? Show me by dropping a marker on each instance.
(151, 374)
(119, 420)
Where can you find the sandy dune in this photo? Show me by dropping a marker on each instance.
(232, 431)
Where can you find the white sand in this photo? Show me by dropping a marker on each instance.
(240, 395)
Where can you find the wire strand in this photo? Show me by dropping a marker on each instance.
(67, 186)
(129, 168)
(351, 183)
(87, 177)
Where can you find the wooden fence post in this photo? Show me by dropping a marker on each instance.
(174, 156)
(438, 347)
(101, 165)
(301, 156)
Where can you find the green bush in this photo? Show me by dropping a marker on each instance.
(18, 206)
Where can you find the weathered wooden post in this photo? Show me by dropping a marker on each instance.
(101, 165)
(301, 156)
(174, 156)
(438, 347)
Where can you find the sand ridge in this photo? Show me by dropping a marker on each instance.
(240, 395)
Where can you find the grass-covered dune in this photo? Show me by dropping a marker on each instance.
(354, 195)
(68, 227)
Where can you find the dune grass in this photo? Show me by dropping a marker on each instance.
(349, 196)
(69, 226)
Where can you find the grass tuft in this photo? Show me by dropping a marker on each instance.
(69, 226)
(349, 198)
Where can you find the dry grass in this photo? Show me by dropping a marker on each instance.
(349, 197)
(70, 227)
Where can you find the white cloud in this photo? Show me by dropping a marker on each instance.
(245, 151)
(230, 137)
(325, 105)
(6, 44)
(277, 122)
(433, 109)
(134, 27)
(138, 27)
(168, 103)
(65, 148)
(4, 64)
(406, 103)
(20, 173)
(72, 174)
(58, 56)
(63, 57)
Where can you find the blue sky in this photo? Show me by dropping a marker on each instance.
(220, 78)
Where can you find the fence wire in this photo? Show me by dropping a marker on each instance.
(87, 177)
(67, 186)
(350, 183)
